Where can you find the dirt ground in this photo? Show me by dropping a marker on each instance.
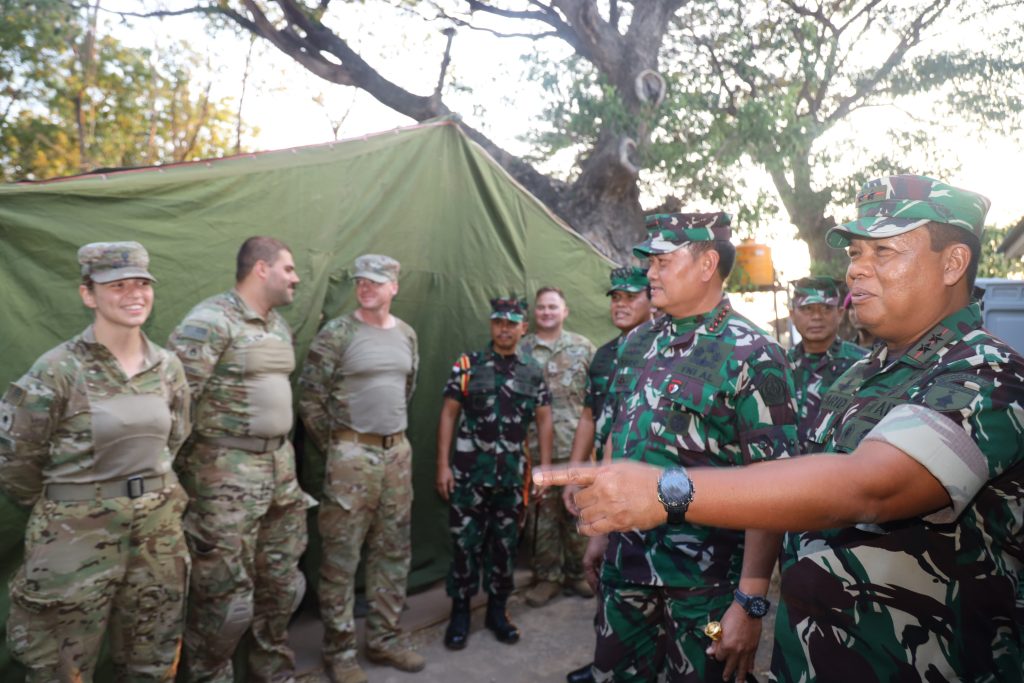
(556, 639)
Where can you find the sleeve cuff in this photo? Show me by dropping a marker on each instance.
(942, 447)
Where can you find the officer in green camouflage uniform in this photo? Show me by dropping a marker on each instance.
(630, 307)
(246, 519)
(498, 393)
(565, 357)
(915, 567)
(87, 438)
(821, 356)
(355, 388)
(699, 386)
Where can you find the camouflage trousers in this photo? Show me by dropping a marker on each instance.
(246, 529)
(651, 633)
(116, 566)
(484, 523)
(367, 498)
(557, 547)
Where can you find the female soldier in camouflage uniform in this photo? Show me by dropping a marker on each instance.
(86, 438)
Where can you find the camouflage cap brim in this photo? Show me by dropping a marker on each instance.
(508, 315)
(811, 299)
(107, 276)
(655, 245)
(872, 228)
(372, 276)
(632, 289)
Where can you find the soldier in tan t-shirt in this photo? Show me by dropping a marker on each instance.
(246, 519)
(355, 389)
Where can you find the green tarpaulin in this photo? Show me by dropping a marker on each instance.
(463, 230)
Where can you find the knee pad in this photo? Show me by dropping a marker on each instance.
(298, 590)
(237, 618)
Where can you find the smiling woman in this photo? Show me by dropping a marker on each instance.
(87, 438)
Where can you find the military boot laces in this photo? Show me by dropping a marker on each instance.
(457, 633)
(497, 621)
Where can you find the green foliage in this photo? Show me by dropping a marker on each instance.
(763, 84)
(75, 100)
(994, 264)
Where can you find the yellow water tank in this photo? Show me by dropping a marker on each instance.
(754, 266)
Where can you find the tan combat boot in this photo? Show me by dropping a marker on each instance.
(403, 659)
(542, 593)
(345, 671)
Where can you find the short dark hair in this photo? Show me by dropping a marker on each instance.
(256, 249)
(546, 289)
(943, 234)
(726, 254)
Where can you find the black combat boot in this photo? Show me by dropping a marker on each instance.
(584, 674)
(457, 633)
(497, 620)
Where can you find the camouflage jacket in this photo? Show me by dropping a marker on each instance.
(599, 379)
(237, 364)
(707, 390)
(565, 367)
(47, 418)
(931, 597)
(499, 397)
(322, 400)
(813, 374)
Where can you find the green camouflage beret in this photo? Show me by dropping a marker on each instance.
(628, 279)
(377, 268)
(105, 262)
(666, 232)
(815, 290)
(897, 204)
(509, 308)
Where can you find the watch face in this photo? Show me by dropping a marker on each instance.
(757, 607)
(675, 487)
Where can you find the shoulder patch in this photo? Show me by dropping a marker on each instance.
(194, 332)
(954, 393)
(773, 390)
(15, 395)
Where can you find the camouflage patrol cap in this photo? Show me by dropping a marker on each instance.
(377, 268)
(105, 262)
(666, 232)
(815, 290)
(897, 204)
(628, 279)
(510, 308)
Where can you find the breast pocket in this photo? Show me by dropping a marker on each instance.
(481, 392)
(681, 407)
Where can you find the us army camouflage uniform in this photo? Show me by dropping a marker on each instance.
(498, 402)
(367, 498)
(813, 374)
(599, 380)
(246, 519)
(706, 390)
(90, 449)
(557, 548)
(929, 598)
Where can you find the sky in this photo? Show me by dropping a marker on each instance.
(290, 107)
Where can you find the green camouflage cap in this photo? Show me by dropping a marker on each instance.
(105, 262)
(815, 290)
(509, 308)
(666, 232)
(897, 204)
(377, 268)
(628, 279)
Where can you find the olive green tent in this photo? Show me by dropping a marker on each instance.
(463, 230)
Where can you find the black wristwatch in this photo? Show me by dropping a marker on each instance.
(675, 491)
(754, 605)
